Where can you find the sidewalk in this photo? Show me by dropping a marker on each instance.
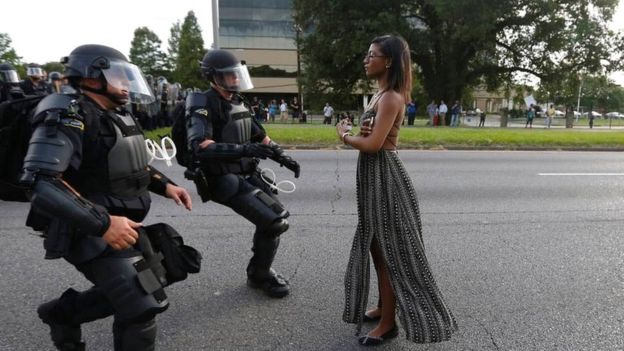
(493, 121)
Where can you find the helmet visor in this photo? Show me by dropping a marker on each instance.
(126, 76)
(234, 78)
(34, 72)
(9, 77)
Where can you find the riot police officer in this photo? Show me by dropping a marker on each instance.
(35, 84)
(9, 83)
(226, 143)
(57, 84)
(88, 174)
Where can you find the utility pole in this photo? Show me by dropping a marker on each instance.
(299, 95)
(215, 24)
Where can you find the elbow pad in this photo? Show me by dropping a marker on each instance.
(54, 199)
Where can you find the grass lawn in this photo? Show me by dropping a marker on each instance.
(418, 137)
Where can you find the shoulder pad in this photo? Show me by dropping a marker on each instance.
(196, 100)
(66, 102)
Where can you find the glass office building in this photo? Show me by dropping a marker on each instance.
(262, 33)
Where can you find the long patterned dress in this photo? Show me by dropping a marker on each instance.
(388, 211)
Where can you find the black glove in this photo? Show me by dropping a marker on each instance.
(257, 150)
(288, 162)
(277, 150)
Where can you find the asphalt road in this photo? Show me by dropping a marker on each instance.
(526, 261)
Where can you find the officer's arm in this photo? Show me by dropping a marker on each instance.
(158, 181)
(55, 145)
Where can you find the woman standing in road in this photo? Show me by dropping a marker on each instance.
(388, 216)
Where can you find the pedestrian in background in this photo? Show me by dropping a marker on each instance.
(283, 111)
(432, 110)
(550, 113)
(442, 110)
(455, 111)
(328, 112)
(530, 116)
(389, 225)
(411, 112)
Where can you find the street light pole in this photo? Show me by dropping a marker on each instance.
(299, 95)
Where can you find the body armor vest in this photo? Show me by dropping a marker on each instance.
(237, 130)
(127, 159)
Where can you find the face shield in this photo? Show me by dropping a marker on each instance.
(235, 79)
(34, 72)
(9, 77)
(126, 76)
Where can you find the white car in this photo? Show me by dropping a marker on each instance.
(559, 113)
(614, 115)
(594, 114)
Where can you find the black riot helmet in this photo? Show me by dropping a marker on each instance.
(223, 69)
(8, 74)
(111, 67)
(55, 76)
(34, 70)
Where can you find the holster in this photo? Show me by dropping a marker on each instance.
(201, 183)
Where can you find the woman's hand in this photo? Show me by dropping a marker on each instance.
(365, 130)
(343, 127)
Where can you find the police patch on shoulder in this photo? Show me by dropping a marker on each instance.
(202, 111)
(74, 123)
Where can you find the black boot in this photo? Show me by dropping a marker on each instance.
(259, 272)
(66, 336)
(273, 284)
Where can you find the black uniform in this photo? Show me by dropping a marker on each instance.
(29, 88)
(228, 174)
(84, 164)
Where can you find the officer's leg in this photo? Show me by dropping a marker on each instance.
(65, 314)
(135, 335)
(133, 294)
(136, 296)
(259, 272)
(252, 199)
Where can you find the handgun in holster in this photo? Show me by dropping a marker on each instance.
(199, 178)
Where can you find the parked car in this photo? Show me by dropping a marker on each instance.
(614, 115)
(559, 113)
(594, 113)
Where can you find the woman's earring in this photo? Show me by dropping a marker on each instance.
(387, 66)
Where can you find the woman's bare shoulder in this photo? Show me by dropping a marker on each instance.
(392, 97)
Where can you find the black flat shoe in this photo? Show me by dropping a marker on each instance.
(373, 341)
(368, 318)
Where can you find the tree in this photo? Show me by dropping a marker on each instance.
(174, 44)
(53, 66)
(458, 44)
(7, 53)
(190, 52)
(145, 52)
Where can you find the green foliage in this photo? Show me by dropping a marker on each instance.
(174, 43)
(190, 52)
(53, 66)
(458, 44)
(7, 53)
(145, 52)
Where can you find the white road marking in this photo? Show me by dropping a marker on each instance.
(581, 174)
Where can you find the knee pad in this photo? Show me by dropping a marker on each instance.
(276, 228)
(135, 336)
(131, 287)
